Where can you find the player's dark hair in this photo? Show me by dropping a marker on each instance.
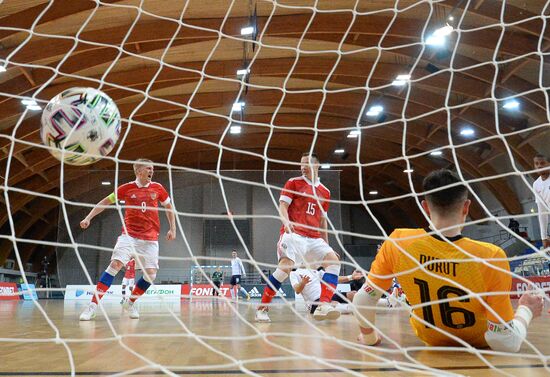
(447, 197)
(313, 155)
(539, 155)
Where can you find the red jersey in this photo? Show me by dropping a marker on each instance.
(304, 209)
(130, 270)
(142, 221)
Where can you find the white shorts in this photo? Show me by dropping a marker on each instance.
(128, 247)
(302, 250)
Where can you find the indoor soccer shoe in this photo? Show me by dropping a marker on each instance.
(326, 311)
(132, 309)
(261, 316)
(89, 313)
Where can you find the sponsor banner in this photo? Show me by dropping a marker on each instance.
(85, 292)
(9, 291)
(256, 290)
(202, 290)
(28, 291)
(542, 282)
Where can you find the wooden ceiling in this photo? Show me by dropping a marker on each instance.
(171, 67)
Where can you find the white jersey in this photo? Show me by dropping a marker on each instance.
(312, 290)
(542, 198)
(237, 267)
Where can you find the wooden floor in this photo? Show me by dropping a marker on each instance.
(210, 338)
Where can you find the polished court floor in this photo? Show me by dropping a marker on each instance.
(210, 338)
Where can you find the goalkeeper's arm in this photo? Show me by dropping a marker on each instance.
(509, 337)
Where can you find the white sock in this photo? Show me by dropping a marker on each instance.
(232, 290)
(244, 292)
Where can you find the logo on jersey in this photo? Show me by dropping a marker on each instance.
(370, 290)
(284, 245)
(153, 195)
(133, 196)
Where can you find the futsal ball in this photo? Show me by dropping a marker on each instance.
(81, 125)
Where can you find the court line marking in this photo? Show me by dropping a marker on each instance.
(264, 371)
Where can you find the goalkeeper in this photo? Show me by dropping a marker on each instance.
(463, 316)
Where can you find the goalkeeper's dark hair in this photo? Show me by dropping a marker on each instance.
(446, 198)
(541, 156)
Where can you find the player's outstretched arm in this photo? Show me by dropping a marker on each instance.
(99, 207)
(509, 338)
(283, 212)
(364, 305)
(171, 234)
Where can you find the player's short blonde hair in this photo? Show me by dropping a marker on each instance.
(141, 162)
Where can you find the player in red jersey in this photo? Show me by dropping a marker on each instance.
(128, 279)
(139, 238)
(303, 208)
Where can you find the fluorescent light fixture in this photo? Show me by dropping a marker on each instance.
(247, 30)
(408, 170)
(235, 130)
(34, 107)
(403, 77)
(2, 68)
(339, 151)
(237, 106)
(375, 110)
(354, 134)
(106, 183)
(325, 166)
(399, 83)
(242, 72)
(373, 192)
(451, 18)
(467, 132)
(29, 102)
(438, 36)
(511, 105)
(436, 153)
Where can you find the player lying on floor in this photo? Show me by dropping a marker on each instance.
(431, 268)
(307, 282)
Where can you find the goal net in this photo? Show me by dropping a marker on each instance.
(224, 97)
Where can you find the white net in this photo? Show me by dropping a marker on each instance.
(369, 81)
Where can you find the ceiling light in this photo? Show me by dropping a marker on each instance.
(438, 36)
(354, 134)
(237, 106)
(29, 102)
(467, 132)
(325, 166)
(33, 107)
(106, 183)
(408, 170)
(2, 68)
(242, 72)
(373, 192)
(511, 105)
(399, 83)
(235, 130)
(375, 110)
(451, 18)
(339, 151)
(247, 30)
(436, 153)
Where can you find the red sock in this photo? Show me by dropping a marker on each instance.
(101, 289)
(136, 293)
(327, 291)
(268, 295)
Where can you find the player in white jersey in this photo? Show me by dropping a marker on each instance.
(541, 187)
(237, 272)
(307, 282)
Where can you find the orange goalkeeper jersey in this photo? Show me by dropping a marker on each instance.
(466, 318)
